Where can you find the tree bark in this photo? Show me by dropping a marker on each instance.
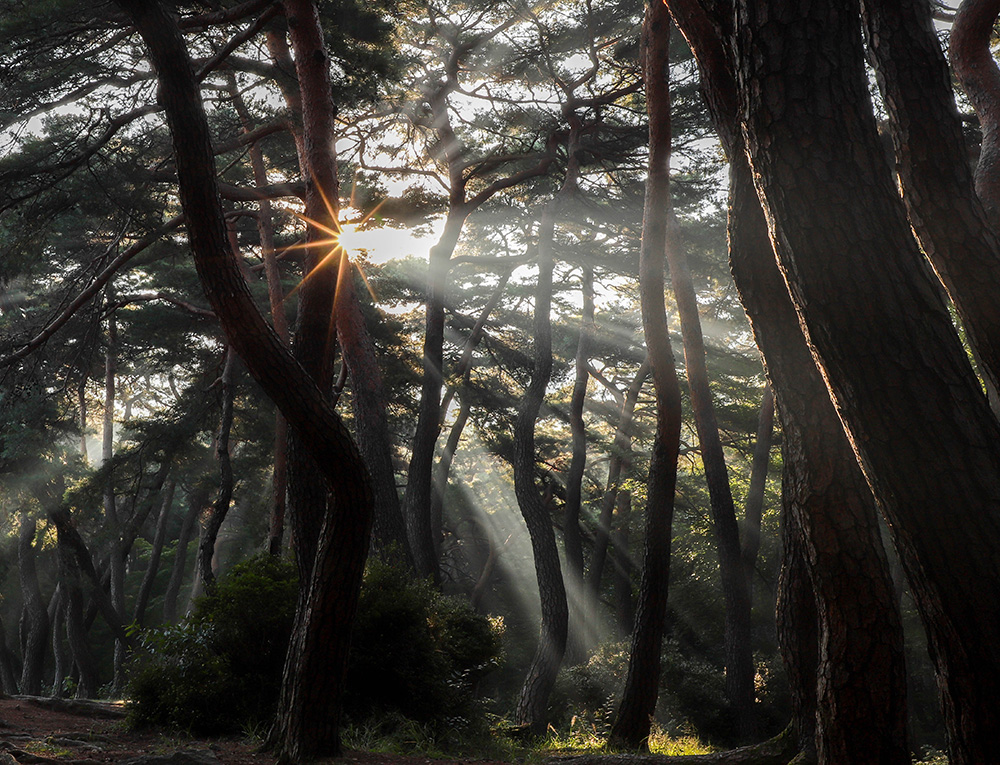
(220, 508)
(153, 566)
(532, 703)
(572, 536)
(830, 522)
(631, 726)
(197, 500)
(958, 235)
(76, 634)
(618, 464)
(909, 400)
(38, 618)
(754, 506)
(740, 668)
(977, 72)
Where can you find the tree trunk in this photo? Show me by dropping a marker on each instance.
(932, 158)
(912, 406)
(220, 508)
(754, 505)
(860, 715)
(8, 681)
(977, 72)
(276, 300)
(76, 634)
(618, 464)
(34, 606)
(417, 500)
(153, 566)
(60, 656)
(740, 668)
(197, 500)
(631, 726)
(532, 703)
(572, 537)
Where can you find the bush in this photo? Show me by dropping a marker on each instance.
(220, 669)
(415, 652)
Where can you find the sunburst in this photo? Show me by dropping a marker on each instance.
(338, 244)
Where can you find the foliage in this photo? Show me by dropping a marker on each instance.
(440, 649)
(220, 669)
(417, 654)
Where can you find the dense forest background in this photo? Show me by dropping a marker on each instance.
(463, 288)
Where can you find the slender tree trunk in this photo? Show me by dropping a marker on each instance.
(69, 581)
(907, 395)
(754, 505)
(197, 500)
(81, 405)
(220, 508)
(740, 668)
(34, 606)
(617, 465)
(532, 703)
(464, 370)
(572, 536)
(631, 726)
(276, 299)
(417, 500)
(153, 567)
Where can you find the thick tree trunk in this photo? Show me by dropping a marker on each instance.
(33, 653)
(912, 406)
(831, 526)
(76, 634)
(8, 681)
(932, 159)
(631, 726)
(308, 720)
(60, 655)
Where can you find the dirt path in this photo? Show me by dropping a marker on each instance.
(44, 731)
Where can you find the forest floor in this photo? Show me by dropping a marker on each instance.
(43, 731)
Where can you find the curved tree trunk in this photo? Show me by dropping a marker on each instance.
(76, 634)
(977, 71)
(38, 618)
(909, 400)
(631, 726)
(932, 158)
(830, 524)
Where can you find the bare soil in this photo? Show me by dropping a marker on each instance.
(43, 731)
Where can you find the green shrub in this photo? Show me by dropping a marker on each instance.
(219, 669)
(415, 652)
